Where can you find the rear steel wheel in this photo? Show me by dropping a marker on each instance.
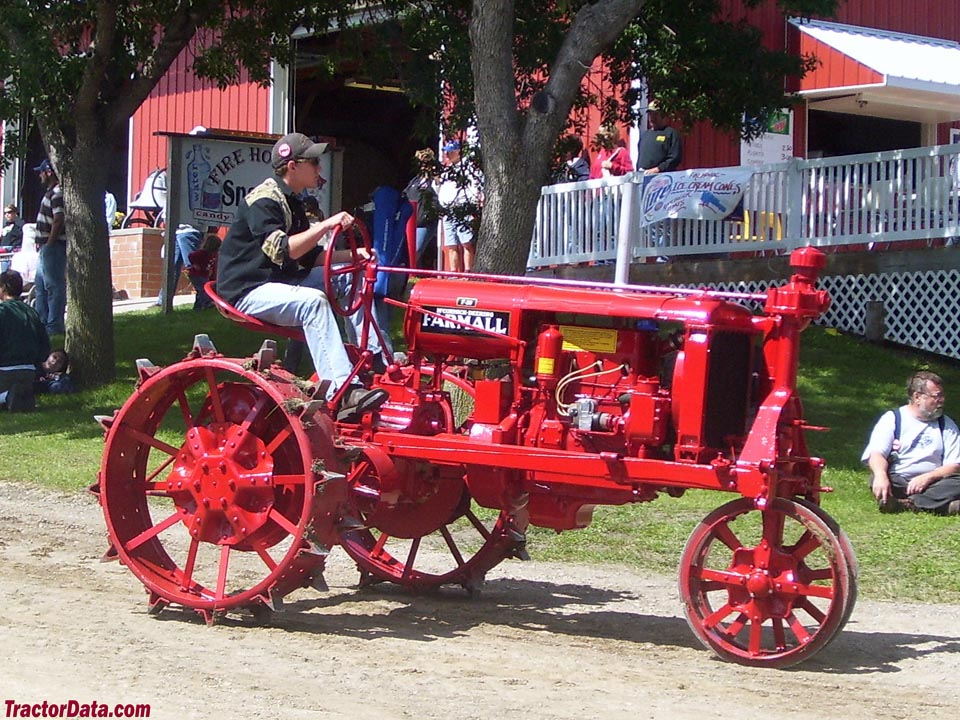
(416, 525)
(212, 487)
(766, 587)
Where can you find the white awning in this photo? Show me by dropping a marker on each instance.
(880, 73)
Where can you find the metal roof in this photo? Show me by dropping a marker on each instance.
(901, 76)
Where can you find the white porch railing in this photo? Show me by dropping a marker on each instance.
(889, 197)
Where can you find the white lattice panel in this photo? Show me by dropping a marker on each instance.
(922, 308)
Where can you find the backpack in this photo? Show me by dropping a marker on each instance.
(894, 452)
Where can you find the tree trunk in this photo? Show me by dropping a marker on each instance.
(516, 164)
(511, 190)
(89, 339)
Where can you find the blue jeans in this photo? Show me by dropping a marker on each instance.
(50, 284)
(305, 307)
(187, 240)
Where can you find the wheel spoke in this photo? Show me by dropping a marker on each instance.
(214, 392)
(805, 545)
(475, 521)
(151, 532)
(255, 412)
(727, 536)
(454, 550)
(756, 636)
(148, 483)
(280, 438)
(717, 616)
(820, 591)
(265, 556)
(379, 545)
(298, 479)
(799, 631)
(812, 610)
(720, 579)
(280, 519)
(222, 573)
(151, 441)
(779, 637)
(189, 420)
(411, 557)
(187, 579)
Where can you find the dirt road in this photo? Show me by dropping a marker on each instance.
(543, 640)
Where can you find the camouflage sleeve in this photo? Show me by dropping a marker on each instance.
(276, 246)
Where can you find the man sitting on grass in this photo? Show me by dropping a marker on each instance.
(914, 452)
(24, 345)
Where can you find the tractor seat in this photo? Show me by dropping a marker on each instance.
(248, 321)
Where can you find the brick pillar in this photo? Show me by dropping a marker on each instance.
(136, 262)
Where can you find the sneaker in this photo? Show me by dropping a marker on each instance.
(953, 508)
(359, 401)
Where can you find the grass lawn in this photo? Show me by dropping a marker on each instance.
(845, 383)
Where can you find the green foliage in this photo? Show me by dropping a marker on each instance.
(60, 444)
(701, 64)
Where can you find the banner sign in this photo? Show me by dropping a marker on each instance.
(710, 194)
(217, 175)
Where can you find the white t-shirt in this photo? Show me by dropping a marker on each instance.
(922, 448)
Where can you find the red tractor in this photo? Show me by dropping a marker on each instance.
(225, 484)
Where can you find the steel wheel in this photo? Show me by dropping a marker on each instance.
(849, 554)
(766, 587)
(208, 487)
(416, 525)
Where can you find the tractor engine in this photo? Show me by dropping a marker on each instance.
(659, 377)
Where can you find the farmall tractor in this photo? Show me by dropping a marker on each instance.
(225, 482)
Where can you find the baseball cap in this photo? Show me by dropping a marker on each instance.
(295, 146)
(44, 166)
(451, 146)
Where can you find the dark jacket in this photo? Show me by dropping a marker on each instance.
(23, 338)
(13, 234)
(660, 148)
(242, 265)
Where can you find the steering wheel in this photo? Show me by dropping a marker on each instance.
(356, 268)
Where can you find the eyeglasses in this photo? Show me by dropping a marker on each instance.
(313, 161)
(936, 397)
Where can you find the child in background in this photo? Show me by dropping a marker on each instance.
(54, 378)
(203, 268)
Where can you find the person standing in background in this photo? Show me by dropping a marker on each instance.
(50, 282)
(660, 149)
(576, 166)
(458, 193)
(612, 159)
(12, 228)
(420, 191)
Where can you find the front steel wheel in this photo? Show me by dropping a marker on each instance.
(766, 587)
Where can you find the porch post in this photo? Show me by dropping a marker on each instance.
(626, 230)
(796, 217)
